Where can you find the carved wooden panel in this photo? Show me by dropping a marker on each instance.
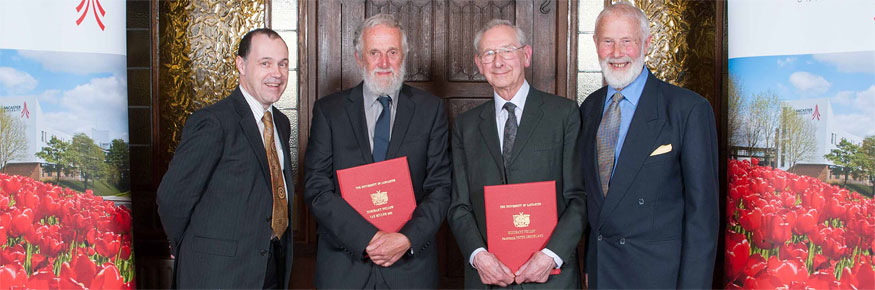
(417, 17)
(198, 42)
(465, 18)
(682, 51)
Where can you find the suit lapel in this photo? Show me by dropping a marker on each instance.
(489, 131)
(645, 127)
(403, 116)
(532, 114)
(284, 133)
(355, 111)
(250, 130)
(594, 115)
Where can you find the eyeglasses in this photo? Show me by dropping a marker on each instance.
(506, 53)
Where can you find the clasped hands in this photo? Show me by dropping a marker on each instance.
(385, 249)
(492, 271)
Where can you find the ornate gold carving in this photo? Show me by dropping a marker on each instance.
(683, 47)
(465, 18)
(198, 44)
(418, 20)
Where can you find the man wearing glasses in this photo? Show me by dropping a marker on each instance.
(522, 135)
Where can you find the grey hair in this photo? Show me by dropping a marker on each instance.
(379, 19)
(520, 36)
(625, 8)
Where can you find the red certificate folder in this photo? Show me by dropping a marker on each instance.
(381, 192)
(519, 220)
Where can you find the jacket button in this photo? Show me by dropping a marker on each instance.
(263, 252)
(600, 237)
(641, 201)
(622, 241)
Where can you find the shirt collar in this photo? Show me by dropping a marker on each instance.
(255, 106)
(370, 98)
(519, 99)
(633, 91)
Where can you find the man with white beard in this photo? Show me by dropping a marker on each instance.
(369, 123)
(650, 168)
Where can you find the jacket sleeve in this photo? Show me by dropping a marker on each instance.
(432, 209)
(572, 220)
(332, 213)
(461, 214)
(190, 170)
(700, 176)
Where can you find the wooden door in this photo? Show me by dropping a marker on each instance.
(440, 36)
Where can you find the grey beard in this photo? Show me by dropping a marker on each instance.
(390, 89)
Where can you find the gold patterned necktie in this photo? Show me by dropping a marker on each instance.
(607, 141)
(280, 215)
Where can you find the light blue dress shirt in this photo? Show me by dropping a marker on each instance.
(631, 94)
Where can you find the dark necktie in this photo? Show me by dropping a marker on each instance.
(280, 214)
(381, 130)
(607, 141)
(510, 128)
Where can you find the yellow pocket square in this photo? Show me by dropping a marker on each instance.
(661, 150)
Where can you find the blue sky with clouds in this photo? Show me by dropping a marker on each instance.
(848, 79)
(77, 91)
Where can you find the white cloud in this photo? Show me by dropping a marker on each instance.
(786, 61)
(16, 81)
(843, 98)
(77, 63)
(49, 97)
(865, 101)
(850, 62)
(100, 104)
(809, 83)
(860, 125)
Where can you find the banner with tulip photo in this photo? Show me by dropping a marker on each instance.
(65, 218)
(801, 109)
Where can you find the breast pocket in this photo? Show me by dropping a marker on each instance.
(661, 156)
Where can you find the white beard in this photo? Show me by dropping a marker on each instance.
(383, 87)
(618, 79)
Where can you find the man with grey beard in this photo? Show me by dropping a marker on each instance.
(650, 168)
(369, 123)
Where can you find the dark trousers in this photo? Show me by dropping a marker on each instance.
(276, 262)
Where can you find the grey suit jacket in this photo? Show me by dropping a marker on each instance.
(544, 150)
(339, 140)
(215, 200)
(658, 225)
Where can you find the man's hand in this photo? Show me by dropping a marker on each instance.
(491, 270)
(536, 269)
(386, 248)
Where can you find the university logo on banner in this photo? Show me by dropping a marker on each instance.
(65, 194)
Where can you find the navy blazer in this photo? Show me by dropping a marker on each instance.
(658, 225)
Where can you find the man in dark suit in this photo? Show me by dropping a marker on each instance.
(372, 122)
(522, 135)
(224, 200)
(650, 167)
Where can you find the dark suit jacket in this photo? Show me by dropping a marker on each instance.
(545, 149)
(215, 200)
(339, 140)
(657, 227)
